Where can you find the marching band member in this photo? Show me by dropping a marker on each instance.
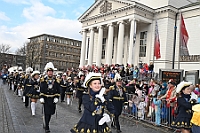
(117, 95)
(94, 117)
(34, 91)
(63, 87)
(49, 94)
(80, 90)
(27, 85)
(184, 112)
(69, 90)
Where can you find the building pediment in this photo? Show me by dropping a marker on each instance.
(101, 7)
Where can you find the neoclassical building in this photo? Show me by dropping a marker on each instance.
(123, 31)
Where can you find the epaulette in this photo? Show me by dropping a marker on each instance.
(111, 87)
(124, 89)
(58, 80)
(42, 79)
(26, 77)
(85, 93)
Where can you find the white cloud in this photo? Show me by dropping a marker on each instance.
(40, 21)
(26, 2)
(4, 17)
(62, 1)
(37, 11)
(60, 27)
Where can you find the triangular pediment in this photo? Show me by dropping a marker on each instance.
(104, 6)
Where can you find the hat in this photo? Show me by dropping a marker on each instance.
(117, 78)
(29, 70)
(181, 85)
(64, 74)
(90, 77)
(34, 73)
(49, 67)
(20, 69)
(171, 81)
(69, 78)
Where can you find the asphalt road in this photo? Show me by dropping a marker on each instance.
(18, 119)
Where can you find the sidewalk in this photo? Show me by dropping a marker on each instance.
(6, 124)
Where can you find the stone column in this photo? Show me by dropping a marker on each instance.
(91, 45)
(83, 46)
(99, 47)
(120, 43)
(131, 45)
(110, 44)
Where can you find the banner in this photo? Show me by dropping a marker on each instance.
(157, 43)
(183, 38)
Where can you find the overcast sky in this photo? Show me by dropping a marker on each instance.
(21, 19)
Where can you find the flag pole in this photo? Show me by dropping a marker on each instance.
(179, 43)
(174, 48)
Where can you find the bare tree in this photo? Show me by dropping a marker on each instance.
(33, 55)
(4, 48)
(21, 50)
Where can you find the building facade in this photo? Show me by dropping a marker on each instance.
(12, 60)
(62, 52)
(123, 31)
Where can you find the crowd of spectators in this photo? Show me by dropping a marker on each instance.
(148, 99)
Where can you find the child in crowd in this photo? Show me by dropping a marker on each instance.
(134, 103)
(157, 104)
(141, 108)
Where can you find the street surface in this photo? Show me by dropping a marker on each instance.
(15, 118)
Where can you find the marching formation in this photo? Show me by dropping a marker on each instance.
(103, 100)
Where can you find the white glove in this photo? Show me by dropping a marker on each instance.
(55, 100)
(100, 95)
(41, 100)
(105, 118)
(125, 107)
(194, 96)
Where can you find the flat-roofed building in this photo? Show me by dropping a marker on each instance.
(62, 52)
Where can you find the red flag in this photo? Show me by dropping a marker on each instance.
(183, 38)
(157, 43)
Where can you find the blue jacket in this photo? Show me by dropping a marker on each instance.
(94, 109)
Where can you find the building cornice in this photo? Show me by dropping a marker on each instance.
(134, 5)
(166, 9)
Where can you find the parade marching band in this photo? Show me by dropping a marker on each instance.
(100, 104)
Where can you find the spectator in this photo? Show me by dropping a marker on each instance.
(163, 89)
(135, 72)
(170, 97)
(141, 108)
(138, 90)
(157, 103)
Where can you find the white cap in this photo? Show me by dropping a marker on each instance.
(34, 73)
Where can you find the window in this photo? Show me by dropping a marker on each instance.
(143, 44)
(103, 49)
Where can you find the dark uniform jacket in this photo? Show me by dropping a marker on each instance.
(80, 89)
(49, 89)
(63, 86)
(184, 107)
(94, 109)
(118, 100)
(27, 84)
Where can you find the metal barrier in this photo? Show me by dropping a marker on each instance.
(150, 110)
